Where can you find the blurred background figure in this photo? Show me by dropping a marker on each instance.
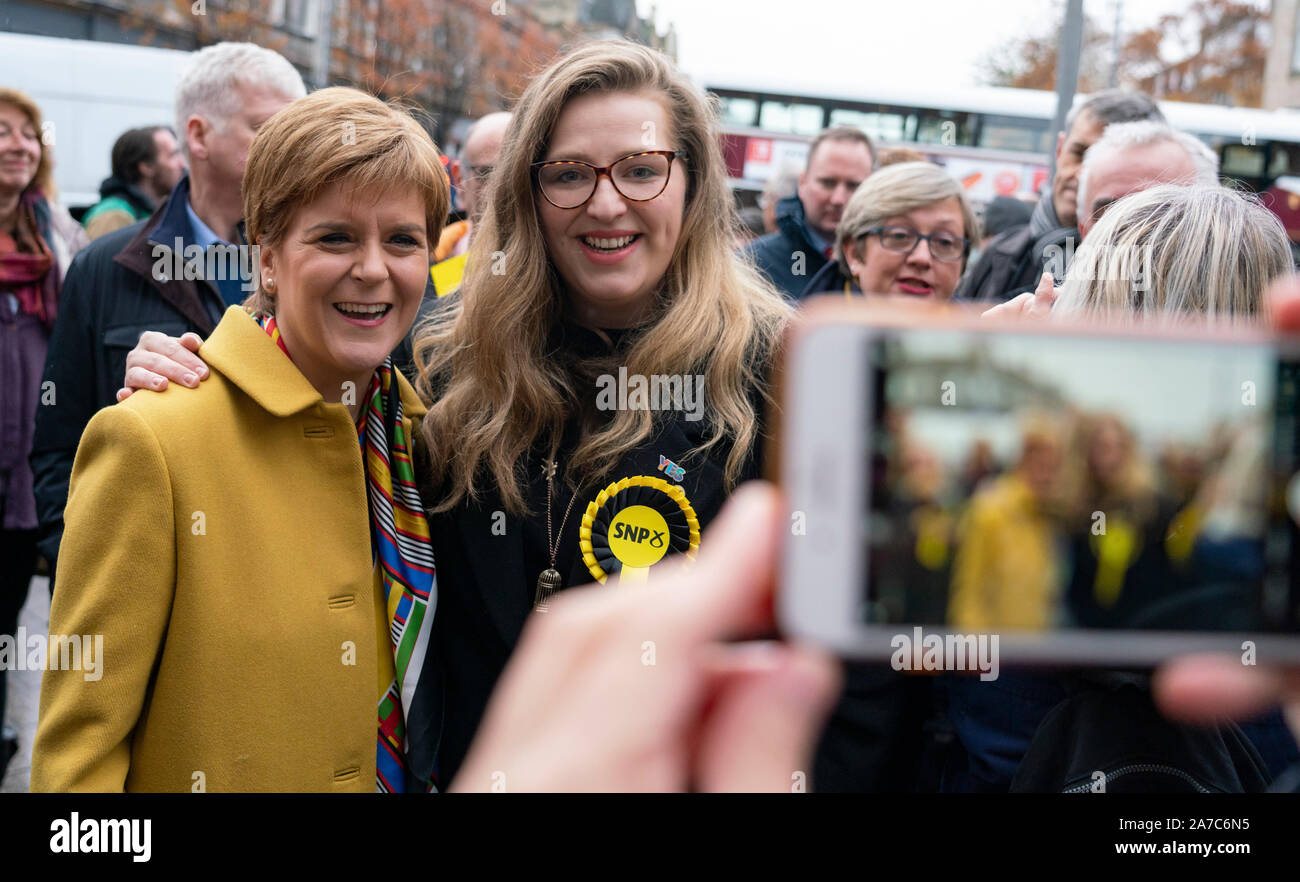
(1015, 260)
(782, 185)
(839, 160)
(907, 231)
(751, 225)
(1001, 214)
(1116, 528)
(1006, 573)
(980, 465)
(470, 175)
(147, 164)
(37, 241)
(900, 155)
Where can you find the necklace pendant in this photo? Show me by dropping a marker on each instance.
(547, 583)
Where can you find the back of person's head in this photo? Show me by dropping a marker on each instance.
(44, 179)
(900, 155)
(1004, 212)
(895, 190)
(208, 86)
(1124, 136)
(1110, 106)
(301, 151)
(131, 148)
(782, 185)
(1173, 250)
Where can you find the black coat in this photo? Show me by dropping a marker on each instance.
(488, 563)
(1016, 258)
(109, 298)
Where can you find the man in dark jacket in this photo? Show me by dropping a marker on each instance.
(175, 272)
(839, 160)
(1014, 261)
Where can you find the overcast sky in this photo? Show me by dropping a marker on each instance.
(924, 43)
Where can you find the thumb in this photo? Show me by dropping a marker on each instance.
(1045, 294)
(765, 722)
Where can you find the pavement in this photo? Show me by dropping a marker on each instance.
(25, 690)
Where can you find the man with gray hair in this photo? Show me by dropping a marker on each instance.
(1014, 261)
(177, 271)
(1135, 156)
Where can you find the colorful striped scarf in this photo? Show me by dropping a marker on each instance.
(403, 552)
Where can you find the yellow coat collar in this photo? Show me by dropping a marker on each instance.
(247, 357)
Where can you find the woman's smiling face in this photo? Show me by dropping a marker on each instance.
(349, 275)
(612, 252)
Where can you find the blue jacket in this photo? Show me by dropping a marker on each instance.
(776, 253)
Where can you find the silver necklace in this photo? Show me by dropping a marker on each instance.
(550, 579)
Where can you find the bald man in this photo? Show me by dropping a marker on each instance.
(470, 172)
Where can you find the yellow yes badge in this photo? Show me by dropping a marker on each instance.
(632, 524)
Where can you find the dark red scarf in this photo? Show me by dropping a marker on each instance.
(29, 271)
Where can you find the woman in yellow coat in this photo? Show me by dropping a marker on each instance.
(253, 552)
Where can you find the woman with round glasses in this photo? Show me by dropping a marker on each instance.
(906, 231)
(597, 385)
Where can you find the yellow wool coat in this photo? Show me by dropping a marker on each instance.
(219, 539)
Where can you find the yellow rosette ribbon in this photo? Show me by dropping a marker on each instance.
(632, 524)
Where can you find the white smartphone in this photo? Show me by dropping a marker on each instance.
(1071, 496)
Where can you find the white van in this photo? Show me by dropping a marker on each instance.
(90, 93)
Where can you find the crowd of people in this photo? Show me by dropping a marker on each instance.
(292, 609)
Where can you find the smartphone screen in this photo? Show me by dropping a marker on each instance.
(1034, 482)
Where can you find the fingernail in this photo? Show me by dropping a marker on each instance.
(190, 380)
(203, 371)
(157, 384)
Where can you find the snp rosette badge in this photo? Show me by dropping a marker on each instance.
(632, 524)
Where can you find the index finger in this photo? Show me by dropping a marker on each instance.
(729, 590)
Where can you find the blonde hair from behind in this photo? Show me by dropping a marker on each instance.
(486, 361)
(44, 177)
(1174, 251)
(337, 135)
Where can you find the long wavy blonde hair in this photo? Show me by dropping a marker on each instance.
(493, 361)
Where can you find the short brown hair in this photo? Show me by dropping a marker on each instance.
(336, 135)
(44, 179)
(842, 133)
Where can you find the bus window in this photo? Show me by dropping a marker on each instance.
(880, 126)
(799, 119)
(1015, 133)
(1285, 160)
(739, 111)
(1242, 160)
(944, 127)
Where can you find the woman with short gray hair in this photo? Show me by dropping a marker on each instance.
(906, 231)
